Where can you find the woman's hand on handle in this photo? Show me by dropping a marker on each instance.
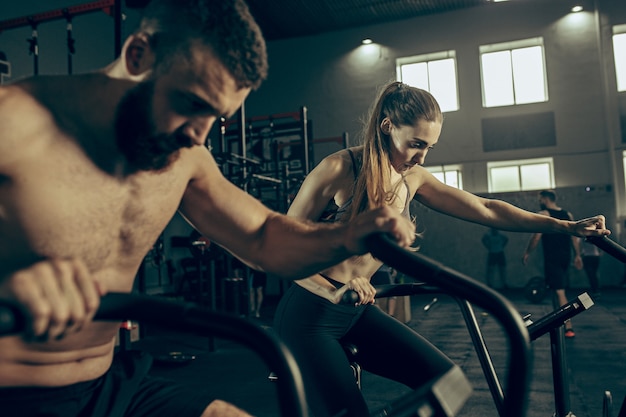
(57, 296)
(362, 287)
(592, 226)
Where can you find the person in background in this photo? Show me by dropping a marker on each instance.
(404, 124)
(257, 292)
(495, 242)
(557, 252)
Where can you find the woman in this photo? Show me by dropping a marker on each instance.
(404, 125)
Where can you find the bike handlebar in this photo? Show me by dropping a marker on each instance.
(186, 316)
(459, 285)
(609, 246)
(391, 290)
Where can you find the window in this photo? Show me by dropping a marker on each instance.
(525, 175)
(619, 52)
(513, 73)
(448, 174)
(435, 73)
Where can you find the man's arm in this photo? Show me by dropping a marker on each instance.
(532, 244)
(578, 260)
(281, 245)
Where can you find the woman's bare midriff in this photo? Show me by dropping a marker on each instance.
(61, 363)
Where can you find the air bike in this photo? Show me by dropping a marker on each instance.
(443, 397)
(520, 330)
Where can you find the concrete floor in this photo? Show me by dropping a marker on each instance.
(596, 358)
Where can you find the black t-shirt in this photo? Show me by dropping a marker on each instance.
(557, 247)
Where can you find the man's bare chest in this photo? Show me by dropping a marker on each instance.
(67, 207)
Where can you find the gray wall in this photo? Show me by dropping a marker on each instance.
(333, 76)
(457, 244)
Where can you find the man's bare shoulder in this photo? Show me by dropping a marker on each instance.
(24, 122)
(17, 103)
(13, 94)
(198, 164)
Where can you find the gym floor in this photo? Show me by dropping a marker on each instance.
(596, 358)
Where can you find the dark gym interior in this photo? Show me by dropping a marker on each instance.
(320, 85)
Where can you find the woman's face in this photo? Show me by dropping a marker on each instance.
(410, 144)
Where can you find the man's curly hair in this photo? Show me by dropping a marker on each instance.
(225, 26)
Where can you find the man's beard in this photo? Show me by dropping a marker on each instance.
(136, 135)
(543, 207)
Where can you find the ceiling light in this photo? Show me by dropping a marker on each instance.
(366, 41)
(577, 9)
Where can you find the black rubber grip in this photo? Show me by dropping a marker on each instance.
(391, 290)
(349, 297)
(11, 319)
(609, 246)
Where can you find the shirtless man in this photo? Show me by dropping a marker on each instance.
(92, 169)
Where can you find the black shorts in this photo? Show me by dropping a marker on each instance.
(556, 274)
(126, 390)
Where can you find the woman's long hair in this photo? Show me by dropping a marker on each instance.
(404, 106)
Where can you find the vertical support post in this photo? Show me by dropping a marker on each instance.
(559, 367)
(213, 299)
(117, 18)
(70, 41)
(5, 67)
(244, 144)
(34, 45)
(124, 336)
(141, 278)
(305, 138)
(489, 370)
(222, 136)
(559, 372)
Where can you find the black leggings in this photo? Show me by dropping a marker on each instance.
(315, 330)
(557, 274)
